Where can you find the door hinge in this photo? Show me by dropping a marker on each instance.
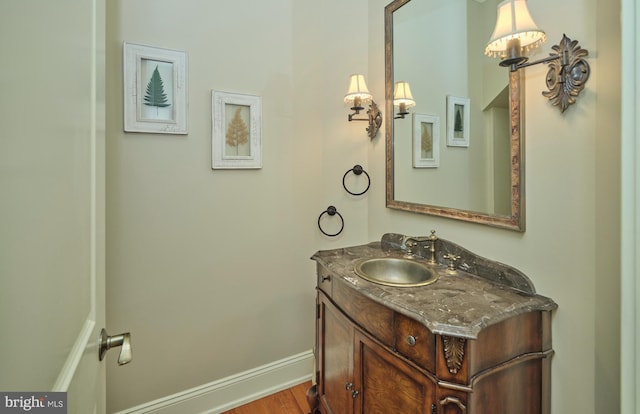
(317, 311)
(434, 409)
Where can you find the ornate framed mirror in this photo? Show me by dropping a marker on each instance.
(473, 167)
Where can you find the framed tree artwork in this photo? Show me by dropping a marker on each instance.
(426, 141)
(457, 121)
(236, 140)
(155, 90)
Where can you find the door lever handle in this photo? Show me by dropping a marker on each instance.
(107, 342)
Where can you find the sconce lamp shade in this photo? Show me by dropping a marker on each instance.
(515, 31)
(357, 95)
(358, 91)
(402, 95)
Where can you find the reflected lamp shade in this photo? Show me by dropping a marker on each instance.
(358, 92)
(515, 31)
(402, 96)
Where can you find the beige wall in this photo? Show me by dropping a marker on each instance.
(570, 249)
(209, 270)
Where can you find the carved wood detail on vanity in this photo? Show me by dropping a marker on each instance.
(453, 348)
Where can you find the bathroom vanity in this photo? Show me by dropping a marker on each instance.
(477, 340)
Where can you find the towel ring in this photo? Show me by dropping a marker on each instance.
(357, 170)
(332, 211)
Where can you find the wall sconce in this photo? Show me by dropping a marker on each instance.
(359, 95)
(403, 99)
(516, 33)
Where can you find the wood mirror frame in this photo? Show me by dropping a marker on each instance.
(514, 221)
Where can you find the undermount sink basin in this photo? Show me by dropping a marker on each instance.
(391, 271)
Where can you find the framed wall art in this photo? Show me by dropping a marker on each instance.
(236, 140)
(457, 121)
(426, 141)
(155, 90)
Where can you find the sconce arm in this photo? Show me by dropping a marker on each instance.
(374, 118)
(518, 66)
(351, 117)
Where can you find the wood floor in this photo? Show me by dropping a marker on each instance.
(289, 401)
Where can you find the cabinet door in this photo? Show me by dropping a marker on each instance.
(387, 384)
(336, 360)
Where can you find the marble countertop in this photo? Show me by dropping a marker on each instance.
(460, 304)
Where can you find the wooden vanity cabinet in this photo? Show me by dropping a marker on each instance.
(371, 359)
(335, 359)
(357, 374)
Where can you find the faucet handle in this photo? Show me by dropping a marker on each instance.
(410, 243)
(452, 258)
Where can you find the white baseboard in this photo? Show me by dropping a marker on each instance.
(227, 393)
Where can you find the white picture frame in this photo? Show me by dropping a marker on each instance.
(426, 140)
(458, 121)
(236, 139)
(155, 89)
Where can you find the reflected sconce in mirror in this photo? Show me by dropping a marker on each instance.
(357, 96)
(516, 34)
(403, 99)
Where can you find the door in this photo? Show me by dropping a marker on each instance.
(335, 389)
(52, 198)
(386, 384)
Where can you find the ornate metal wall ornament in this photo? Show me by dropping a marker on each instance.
(567, 74)
(375, 120)
(453, 352)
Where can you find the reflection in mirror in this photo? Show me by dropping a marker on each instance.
(457, 153)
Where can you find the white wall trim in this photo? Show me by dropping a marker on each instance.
(235, 390)
(75, 355)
